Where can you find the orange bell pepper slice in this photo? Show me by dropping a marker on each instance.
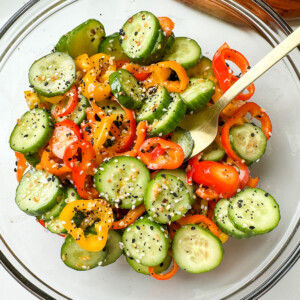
(100, 210)
(165, 276)
(21, 165)
(167, 25)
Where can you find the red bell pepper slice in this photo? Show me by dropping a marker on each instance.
(157, 152)
(84, 187)
(172, 158)
(65, 133)
(238, 119)
(252, 182)
(223, 179)
(244, 174)
(225, 75)
(190, 170)
(141, 76)
(63, 109)
(80, 155)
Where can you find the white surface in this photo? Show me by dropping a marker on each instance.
(287, 288)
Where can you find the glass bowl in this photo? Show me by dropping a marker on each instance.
(250, 267)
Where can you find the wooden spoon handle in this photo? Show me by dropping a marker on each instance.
(281, 50)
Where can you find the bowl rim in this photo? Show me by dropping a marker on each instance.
(276, 275)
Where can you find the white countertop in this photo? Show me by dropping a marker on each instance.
(287, 288)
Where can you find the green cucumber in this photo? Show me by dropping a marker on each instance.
(213, 153)
(114, 247)
(203, 69)
(112, 47)
(183, 138)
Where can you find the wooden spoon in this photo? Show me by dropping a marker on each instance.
(203, 125)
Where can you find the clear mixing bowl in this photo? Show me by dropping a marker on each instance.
(32, 255)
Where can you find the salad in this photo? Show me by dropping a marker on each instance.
(102, 160)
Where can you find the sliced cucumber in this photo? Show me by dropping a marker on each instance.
(170, 120)
(71, 195)
(111, 107)
(223, 222)
(33, 158)
(61, 45)
(53, 74)
(139, 35)
(170, 41)
(145, 270)
(126, 89)
(79, 259)
(248, 141)
(167, 199)
(123, 181)
(254, 211)
(155, 105)
(37, 192)
(146, 243)
(112, 47)
(85, 38)
(55, 210)
(213, 153)
(185, 51)
(203, 69)
(183, 138)
(180, 174)
(198, 93)
(196, 249)
(32, 132)
(113, 245)
(55, 226)
(78, 114)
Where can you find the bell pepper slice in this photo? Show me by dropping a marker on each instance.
(223, 179)
(196, 219)
(21, 165)
(238, 119)
(165, 276)
(130, 218)
(80, 155)
(65, 133)
(207, 193)
(32, 99)
(223, 72)
(63, 109)
(167, 25)
(52, 166)
(172, 157)
(157, 152)
(84, 186)
(252, 182)
(141, 76)
(120, 63)
(190, 170)
(82, 63)
(100, 211)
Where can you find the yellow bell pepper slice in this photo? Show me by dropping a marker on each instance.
(82, 63)
(53, 100)
(97, 209)
(32, 99)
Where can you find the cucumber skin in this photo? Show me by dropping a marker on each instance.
(173, 121)
(33, 159)
(111, 258)
(119, 92)
(45, 139)
(177, 138)
(61, 45)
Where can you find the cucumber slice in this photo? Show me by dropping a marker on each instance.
(144, 269)
(180, 174)
(139, 35)
(170, 120)
(112, 47)
(111, 107)
(185, 51)
(198, 93)
(155, 105)
(61, 45)
(223, 222)
(55, 210)
(53, 74)
(123, 181)
(85, 38)
(146, 243)
(32, 132)
(196, 250)
(55, 226)
(37, 192)
(183, 138)
(32, 158)
(71, 195)
(79, 259)
(170, 42)
(213, 153)
(78, 114)
(254, 211)
(248, 141)
(158, 51)
(126, 89)
(203, 69)
(167, 199)
(113, 245)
